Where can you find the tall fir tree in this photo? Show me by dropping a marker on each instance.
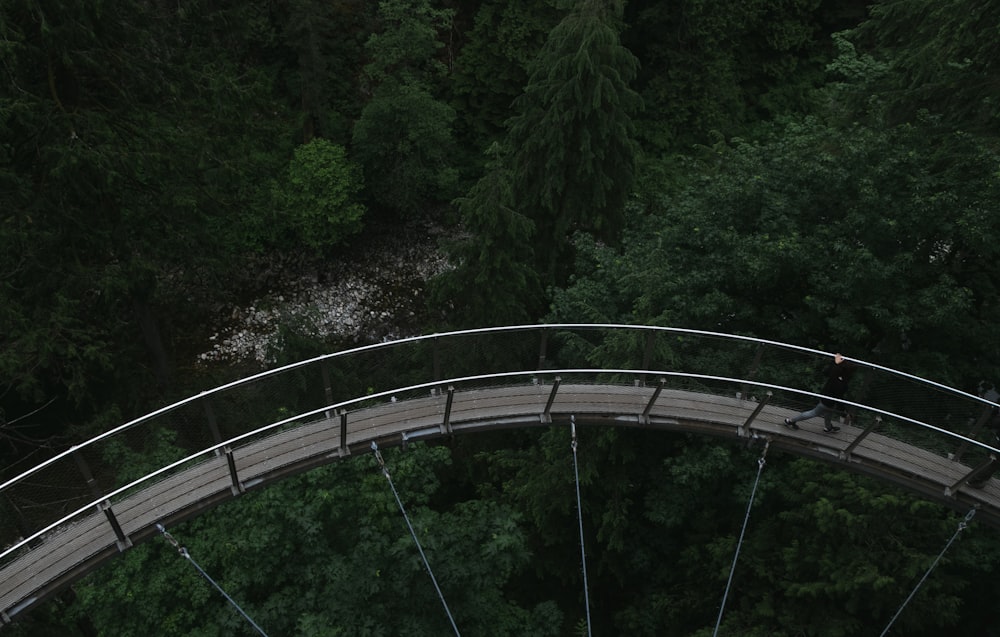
(494, 282)
(573, 137)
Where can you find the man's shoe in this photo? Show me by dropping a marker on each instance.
(790, 424)
(831, 430)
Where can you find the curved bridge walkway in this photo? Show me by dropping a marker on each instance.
(65, 516)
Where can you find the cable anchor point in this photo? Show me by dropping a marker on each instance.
(572, 429)
(381, 461)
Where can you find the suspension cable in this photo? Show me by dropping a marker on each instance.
(961, 527)
(579, 510)
(184, 553)
(385, 472)
(739, 544)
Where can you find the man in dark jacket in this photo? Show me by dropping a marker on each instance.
(838, 377)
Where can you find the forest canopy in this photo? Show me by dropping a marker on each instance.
(818, 172)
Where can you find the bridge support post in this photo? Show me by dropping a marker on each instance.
(744, 429)
(975, 478)
(122, 540)
(446, 425)
(846, 453)
(343, 450)
(644, 418)
(546, 416)
(237, 486)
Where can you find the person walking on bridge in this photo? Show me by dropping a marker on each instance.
(838, 377)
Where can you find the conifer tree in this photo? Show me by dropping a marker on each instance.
(494, 282)
(573, 136)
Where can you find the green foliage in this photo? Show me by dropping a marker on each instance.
(491, 69)
(938, 55)
(328, 41)
(493, 282)
(317, 201)
(763, 59)
(117, 169)
(406, 49)
(870, 240)
(572, 138)
(328, 553)
(404, 142)
(403, 138)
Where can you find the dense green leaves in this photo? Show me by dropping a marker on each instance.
(147, 148)
(318, 200)
(329, 553)
(855, 238)
(937, 55)
(404, 137)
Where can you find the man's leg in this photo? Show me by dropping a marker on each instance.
(827, 415)
(806, 415)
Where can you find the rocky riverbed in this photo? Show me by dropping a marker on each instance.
(372, 292)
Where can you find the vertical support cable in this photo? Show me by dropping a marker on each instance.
(746, 519)
(579, 510)
(385, 472)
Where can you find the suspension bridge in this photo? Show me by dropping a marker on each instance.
(66, 515)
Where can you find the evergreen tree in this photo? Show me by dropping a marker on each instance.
(491, 69)
(493, 282)
(327, 40)
(572, 137)
(938, 55)
(126, 162)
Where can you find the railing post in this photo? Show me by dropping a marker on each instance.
(88, 477)
(343, 450)
(437, 359)
(546, 416)
(647, 356)
(122, 541)
(754, 367)
(237, 486)
(446, 425)
(20, 522)
(644, 418)
(741, 431)
(846, 453)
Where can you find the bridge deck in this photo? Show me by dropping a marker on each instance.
(70, 552)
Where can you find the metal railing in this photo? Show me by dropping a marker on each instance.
(90, 478)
